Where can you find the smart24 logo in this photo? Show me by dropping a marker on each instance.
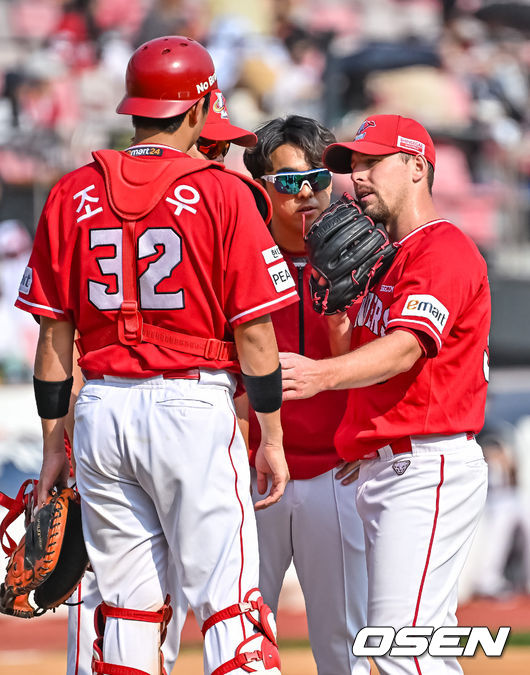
(417, 640)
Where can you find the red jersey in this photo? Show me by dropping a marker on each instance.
(308, 424)
(202, 259)
(437, 288)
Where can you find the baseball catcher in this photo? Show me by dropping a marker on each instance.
(51, 557)
(349, 251)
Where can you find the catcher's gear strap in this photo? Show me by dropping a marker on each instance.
(131, 197)
(161, 616)
(102, 668)
(256, 649)
(52, 398)
(262, 647)
(24, 501)
(229, 613)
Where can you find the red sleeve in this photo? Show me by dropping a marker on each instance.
(258, 280)
(42, 288)
(431, 292)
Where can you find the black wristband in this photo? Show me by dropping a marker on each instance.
(52, 398)
(264, 391)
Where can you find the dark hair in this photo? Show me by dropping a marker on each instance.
(302, 132)
(169, 124)
(405, 156)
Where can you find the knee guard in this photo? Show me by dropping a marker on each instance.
(162, 616)
(259, 652)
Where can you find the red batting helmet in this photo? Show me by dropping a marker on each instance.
(166, 76)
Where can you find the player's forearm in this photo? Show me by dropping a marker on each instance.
(258, 356)
(53, 357)
(256, 346)
(339, 333)
(372, 363)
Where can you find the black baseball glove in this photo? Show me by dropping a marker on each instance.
(349, 251)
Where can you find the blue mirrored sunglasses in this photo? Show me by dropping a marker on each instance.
(292, 183)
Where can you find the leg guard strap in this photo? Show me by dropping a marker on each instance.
(103, 611)
(259, 651)
(229, 613)
(255, 610)
(238, 662)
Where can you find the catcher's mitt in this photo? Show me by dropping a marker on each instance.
(349, 251)
(51, 557)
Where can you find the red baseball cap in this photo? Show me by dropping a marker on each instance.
(381, 135)
(218, 127)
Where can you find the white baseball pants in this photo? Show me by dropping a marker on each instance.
(162, 467)
(419, 524)
(316, 525)
(82, 633)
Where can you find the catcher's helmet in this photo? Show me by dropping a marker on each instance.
(166, 76)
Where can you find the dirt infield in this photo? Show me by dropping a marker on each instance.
(296, 661)
(47, 637)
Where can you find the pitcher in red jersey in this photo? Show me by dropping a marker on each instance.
(415, 362)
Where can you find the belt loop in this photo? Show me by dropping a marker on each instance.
(385, 452)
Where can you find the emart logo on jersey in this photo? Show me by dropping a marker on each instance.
(428, 307)
(443, 642)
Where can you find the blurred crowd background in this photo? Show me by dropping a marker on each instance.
(458, 66)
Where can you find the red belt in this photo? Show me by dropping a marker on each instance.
(184, 374)
(401, 445)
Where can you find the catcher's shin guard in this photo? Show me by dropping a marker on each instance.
(162, 616)
(259, 652)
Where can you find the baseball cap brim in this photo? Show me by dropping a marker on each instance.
(337, 156)
(224, 131)
(157, 109)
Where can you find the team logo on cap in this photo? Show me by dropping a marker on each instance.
(219, 105)
(361, 131)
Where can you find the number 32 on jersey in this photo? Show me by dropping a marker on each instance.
(149, 243)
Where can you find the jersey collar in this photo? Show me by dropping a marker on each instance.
(418, 229)
(153, 150)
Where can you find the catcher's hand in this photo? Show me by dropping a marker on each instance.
(349, 252)
(49, 561)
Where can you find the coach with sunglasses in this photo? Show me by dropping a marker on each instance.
(315, 524)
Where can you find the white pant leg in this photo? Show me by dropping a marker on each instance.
(82, 633)
(418, 528)
(214, 538)
(317, 523)
(275, 543)
(502, 515)
(174, 469)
